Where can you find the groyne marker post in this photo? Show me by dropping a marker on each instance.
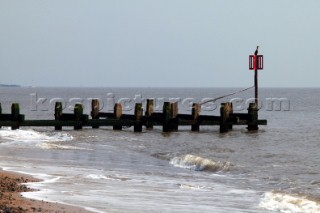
(256, 63)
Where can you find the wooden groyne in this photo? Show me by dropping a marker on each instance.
(169, 118)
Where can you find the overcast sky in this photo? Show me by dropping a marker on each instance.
(161, 43)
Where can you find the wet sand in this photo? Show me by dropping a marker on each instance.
(11, 200)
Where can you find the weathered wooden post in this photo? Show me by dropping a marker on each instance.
(78, 113)
(149, 112)
(253, 117)
(95, 106)
(196, 109)
(174, 113)
(224, 115)
(166, 117)
(15, 112)
(138, 113)
(0, 113)
(117, 113)
(58, 114)
(230, 105)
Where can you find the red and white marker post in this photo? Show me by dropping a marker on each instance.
(256, 63)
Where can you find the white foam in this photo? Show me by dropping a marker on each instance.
(60, 146)
(45, 178)
(109, 177)
(198, 163)
(96, 177)
(30, 135)
(281, 202)
(194, 187)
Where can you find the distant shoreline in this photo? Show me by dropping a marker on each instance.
(9, 85)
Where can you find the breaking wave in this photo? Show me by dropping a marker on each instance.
(30, 135)
(281, 202)
(197, 163)
(109, 177)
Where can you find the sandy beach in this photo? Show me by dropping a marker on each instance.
(11, 200)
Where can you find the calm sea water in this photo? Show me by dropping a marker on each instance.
(273, 170)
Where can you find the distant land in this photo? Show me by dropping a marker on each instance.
(9, 85)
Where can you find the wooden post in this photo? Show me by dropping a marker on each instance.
(230, 106)
(15, 111)
(174, 113)
(253, 117)
(78, 113)
(138, 112)
(117, 112)
(256, 85)
(166, 116)
(149, 112)
(256, 66)
(196, 108)
(0, 113)
(58, 114)
(224, 115)
(95, 111)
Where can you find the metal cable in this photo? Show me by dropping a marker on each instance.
(214, 99)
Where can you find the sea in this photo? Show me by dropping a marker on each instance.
(274, 169)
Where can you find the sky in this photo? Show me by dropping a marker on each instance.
(158, 43)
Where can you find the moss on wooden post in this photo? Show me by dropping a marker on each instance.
(15, 112)
(253, 117)
(95, 106)
(196, 109)
(78, 113)
(224, 115)
(138, 113)
(117, 113)
(149, 112)
(58, 114)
